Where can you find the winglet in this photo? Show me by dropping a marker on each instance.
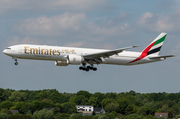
(135, 46)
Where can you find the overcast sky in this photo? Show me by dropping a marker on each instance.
(103, 24)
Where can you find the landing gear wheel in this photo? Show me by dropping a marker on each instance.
(94, 69)
(84, 68)
(80, 68)
(16, 63)
(87, 69)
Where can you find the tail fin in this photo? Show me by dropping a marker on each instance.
(155, 46)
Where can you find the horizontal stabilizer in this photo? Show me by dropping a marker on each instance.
(158, 57)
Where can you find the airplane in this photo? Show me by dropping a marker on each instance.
(64, 56)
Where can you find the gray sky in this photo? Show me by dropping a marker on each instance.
(105, 24)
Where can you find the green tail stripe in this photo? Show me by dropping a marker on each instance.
(160, 40)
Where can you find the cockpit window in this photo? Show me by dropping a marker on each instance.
(8, 48)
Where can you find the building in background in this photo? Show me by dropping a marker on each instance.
(85, 109)
(158, 115)
(99, 110)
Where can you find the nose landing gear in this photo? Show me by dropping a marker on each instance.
(16, 63)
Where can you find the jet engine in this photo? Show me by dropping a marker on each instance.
(75, 59)
(61, 63)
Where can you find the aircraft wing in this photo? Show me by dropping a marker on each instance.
(158, 57)
(96, 56)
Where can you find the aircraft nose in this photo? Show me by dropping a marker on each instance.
(4, 51)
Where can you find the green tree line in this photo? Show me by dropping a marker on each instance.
(123, 105)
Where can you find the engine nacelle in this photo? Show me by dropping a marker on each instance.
(61, 63)
(75, 59)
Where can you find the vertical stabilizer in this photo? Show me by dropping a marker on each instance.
(155, 46)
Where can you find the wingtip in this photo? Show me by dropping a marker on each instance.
(136, 46)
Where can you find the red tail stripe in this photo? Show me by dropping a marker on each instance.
(144, 53)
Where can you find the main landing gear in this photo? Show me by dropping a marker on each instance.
(84, 68)
(16, 63)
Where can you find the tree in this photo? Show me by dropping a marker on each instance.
(4, 116)
(106, 101)
(141, 111)
(55, 111)
(134, 116)
(6, 94)
(57, 97)
(30, 107)
(40, 95)
(129, 110)
(21, 107)
(150, 105)
(62, 116)
(84, 93)
(111, 116)
(131, 92)
(138, 100)
(87, 117)
(29, 113)
(134, 109)
(76, 116)
(93, 113)
(164, 108)
(111, 95)
(100, 97)
(171, 113)
(93, 101)
(96, 116)
(102, 117)
(38, 105)
(79, 99)
(115, 113)
(47, 103)
(58, 105)
(123, 103)
(149, 111)
(43, 114)
(176, 109)
(112, 107)
(69, 107)
(18, 96)
(145, 111)
(1, 93)
(6, 105)
(4, 111)
(159, 105)
(178, 116)
(47, 100)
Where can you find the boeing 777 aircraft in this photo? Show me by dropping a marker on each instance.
(64, 56)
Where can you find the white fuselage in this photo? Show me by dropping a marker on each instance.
(56, 53)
